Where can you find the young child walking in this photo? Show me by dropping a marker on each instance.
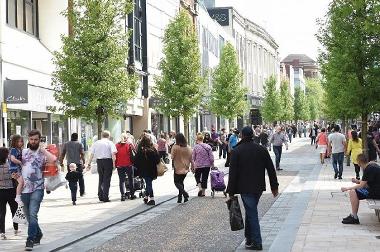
(73, 177)
(15, 162)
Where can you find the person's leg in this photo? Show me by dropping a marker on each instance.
(197, 176)
(3, 211)
(149, 187)
(341, 161)
(250, 202)
(13, 205)
(131, 175)
(100, 165)
(73, 188)
(277, 154)
(357, 171)
(334, 157)
(354, 199)
(224, 151)
(81, 180)
(122, 172)
(32, 202)
(220, 150)
(107, 178)
(205, 174)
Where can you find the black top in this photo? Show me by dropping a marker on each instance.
(371, 174)
(73, 176)
(247, 169)
(264, 138)
(146, 162)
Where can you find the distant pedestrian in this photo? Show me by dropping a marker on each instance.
(232, 142)
(15, 162)
(337, 146)
(124, 166)
(313, 133)
(264, 138)
(146, 161)
(300, 130)
(249, 162)
(203, 160)
(74, 152)
(355, 148)
(277, 140)
(162, 147)
(7, 192)
(322, 143)
(289, 133)
(223, 144)
(73, 177)
(105, 153)
(33, 162)
(373, 149)
(182, 162)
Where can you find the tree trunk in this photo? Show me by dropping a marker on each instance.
(364, 133)
(100, 126)
(186, 127)
(344, 124)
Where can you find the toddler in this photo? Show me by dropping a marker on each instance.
(15, 163)
(73, 177)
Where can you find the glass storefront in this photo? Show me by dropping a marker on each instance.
(60, 129)
(18, 122)
(41, 122)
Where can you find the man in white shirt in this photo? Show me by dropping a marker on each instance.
(337, 147)
(105, 153)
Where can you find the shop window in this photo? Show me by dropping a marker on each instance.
(59, 128)
(18, 122)
(137, 33)
(22, 14)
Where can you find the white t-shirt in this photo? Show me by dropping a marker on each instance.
(337, 141)
(103, 149)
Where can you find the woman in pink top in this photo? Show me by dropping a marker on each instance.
(162, 147)
(322, 144)
(203, 160)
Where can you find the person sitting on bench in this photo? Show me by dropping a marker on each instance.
(366, 188)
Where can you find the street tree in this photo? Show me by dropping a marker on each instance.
(180, 87)
(271, 102)
(301, 106)
(228, 97)
(286, 112)
(315, 98)
(350, 60)
(91, 80)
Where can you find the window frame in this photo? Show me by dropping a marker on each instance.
(34, 14)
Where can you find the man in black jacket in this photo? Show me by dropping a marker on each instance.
(247, 178)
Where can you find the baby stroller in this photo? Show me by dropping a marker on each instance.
(217, 182)
(138, 185)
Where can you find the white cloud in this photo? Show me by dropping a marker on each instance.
(291, 22)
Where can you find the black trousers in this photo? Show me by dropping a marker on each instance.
(313, 140)
(178, 182)
(357, 170)
(105, 167)
(81, 179)
(74, 189)
(201, 176)
(227, 164)
(123, 172)
(7, 196)
(222, 150)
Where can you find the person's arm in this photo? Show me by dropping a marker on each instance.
(349, 148)
(13, 157)
(173, 153)
(286, 142)
(271, 173)
(63, 154)
(50, 158)
(82, 156)
(362, 184)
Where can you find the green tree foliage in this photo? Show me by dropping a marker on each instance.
(271, 103)
(301, 106)
(227, 94)
(91, 79)
(286, 112)
(180, 88)
(350, 61)
(315, 98)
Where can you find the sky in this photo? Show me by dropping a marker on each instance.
(292, 23)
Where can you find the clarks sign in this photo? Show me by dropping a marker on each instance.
(15, 91)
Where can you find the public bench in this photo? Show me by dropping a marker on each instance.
(375, 205)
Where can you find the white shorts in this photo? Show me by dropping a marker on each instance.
(322, 149)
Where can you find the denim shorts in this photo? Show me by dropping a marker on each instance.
(362, 193)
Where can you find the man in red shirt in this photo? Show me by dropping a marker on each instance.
(124, 166)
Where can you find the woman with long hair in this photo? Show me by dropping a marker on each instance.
(182, 162)
(355, 147)
(203, 160)
(146, 161)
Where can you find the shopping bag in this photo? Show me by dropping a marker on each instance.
(52, 183)
(236, 218)
(19, 216)
(161, 168)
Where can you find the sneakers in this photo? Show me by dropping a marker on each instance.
(37, 241)
(145, 200)
(250, 245)
(151, 203)
(122, 198)
(133, 197)
(350, 220)
(336, 175)
(2, 236)
(179, 201)
(74, 203)
(29, 245)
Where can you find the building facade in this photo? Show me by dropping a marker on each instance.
(257, 53)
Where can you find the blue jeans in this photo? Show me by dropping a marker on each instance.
(252, 225)
(32, 202)
(277, 152)
(149, 186)
(338, 159)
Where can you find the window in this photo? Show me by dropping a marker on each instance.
(137, 37)
(22, 14)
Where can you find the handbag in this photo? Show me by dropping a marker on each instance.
(19, 216)
(52, 183)
(161, 168)
(236, 218)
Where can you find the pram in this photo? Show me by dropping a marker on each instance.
(138, 185)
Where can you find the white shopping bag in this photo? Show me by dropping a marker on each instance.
(20, 217)
(52, 183)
